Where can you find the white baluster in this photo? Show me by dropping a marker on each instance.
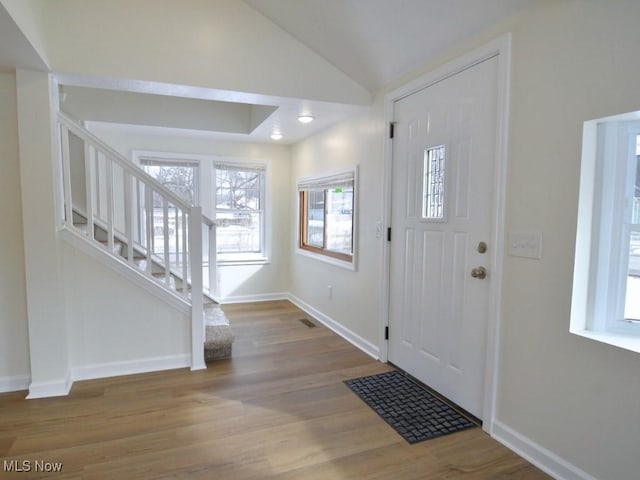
(110, 206)
(89, 153)
(213, 257)
(165, 237)
(148, 203)
(185, 261)
(66, 176)
(128, 213)
(177, 239)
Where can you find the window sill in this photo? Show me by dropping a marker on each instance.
(627, 341)
(326, 259)
(231, 260)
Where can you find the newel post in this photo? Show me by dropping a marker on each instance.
(197, 313)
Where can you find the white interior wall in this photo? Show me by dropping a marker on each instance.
(200, 43)
(236, 282)
(566, 401)
(573, 61)
(14, 342)
(48, 343)
(115, 325)
(355, 299)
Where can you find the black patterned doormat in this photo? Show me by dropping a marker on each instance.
(409, 408)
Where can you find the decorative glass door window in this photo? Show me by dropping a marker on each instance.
(433, 184)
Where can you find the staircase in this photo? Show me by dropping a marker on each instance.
(143, 230)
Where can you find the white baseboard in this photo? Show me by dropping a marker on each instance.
(353, 338)
(264, 297)
(58, 388)
(130, 367)
(15, 383)
(544, 459)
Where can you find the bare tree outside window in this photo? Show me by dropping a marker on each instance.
(239, 208)
(179, 178)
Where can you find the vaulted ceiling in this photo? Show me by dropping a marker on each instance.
(376, 41)
(228, 68)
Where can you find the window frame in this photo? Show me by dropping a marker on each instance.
(601, 256)
(149, 160)
(206, 193)
(261, 256)
(323, 183)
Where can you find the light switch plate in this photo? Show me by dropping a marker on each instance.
(527, 245)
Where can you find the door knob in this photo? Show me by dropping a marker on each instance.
(479, 272)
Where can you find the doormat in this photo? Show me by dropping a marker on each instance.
(409, 408)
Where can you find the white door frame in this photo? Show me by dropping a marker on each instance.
(500, 47)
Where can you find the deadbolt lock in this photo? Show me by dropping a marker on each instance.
(482, 247)
(479, 272)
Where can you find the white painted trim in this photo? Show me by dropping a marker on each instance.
(130, 367)
(263, 297)
(503, 47)
(124, 269)
(353, 338)
(60, 388)
(353, 264)
(15, 383)
(539, 456)
(500, 47)
(327, 259)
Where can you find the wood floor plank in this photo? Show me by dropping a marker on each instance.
(278, 409)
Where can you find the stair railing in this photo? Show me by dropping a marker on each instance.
(138, 221)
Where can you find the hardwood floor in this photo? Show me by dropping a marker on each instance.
(277, 410)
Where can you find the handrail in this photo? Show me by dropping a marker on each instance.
(118, 158)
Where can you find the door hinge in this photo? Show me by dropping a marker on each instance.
(389, 234)
(386, 333)
(391, 129)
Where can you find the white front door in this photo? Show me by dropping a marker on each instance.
(444, 151)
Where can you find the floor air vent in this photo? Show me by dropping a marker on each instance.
(307, 322)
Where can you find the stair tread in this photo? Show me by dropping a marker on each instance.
(139, 260)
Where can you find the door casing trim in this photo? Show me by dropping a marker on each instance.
(500, 48)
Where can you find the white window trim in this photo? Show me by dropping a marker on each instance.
(206, 192)
(139, 159)
(251, 258)
(353, 265)
(599, 270)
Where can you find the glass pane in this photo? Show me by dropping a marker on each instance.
(632, 298)
(238, 189)
(433, 186)
(238, 232)
(340, 220)
(632, 295)
(635, 211)
(315, 218)
(180, 179)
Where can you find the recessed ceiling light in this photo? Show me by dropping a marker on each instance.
(305, 119)
(276, 136)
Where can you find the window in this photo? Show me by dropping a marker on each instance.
(433, 185)
(181, 177)
(327, 217)
(606, 291)
(239, 210)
